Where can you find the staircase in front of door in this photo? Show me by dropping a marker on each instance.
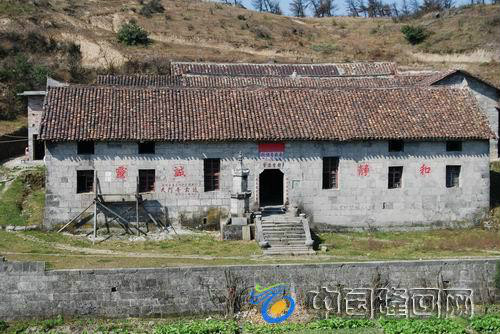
(281, 233)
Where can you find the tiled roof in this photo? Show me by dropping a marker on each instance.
(135, 80)
(438, 76)
(314, 70)
(272, 82)
(309, 82)
(189, 114)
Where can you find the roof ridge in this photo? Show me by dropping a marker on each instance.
(282, 64)
(247, 88)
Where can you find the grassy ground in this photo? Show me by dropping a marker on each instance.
(23, 201)
(61, 251)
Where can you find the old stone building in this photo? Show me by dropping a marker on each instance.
(351, 158)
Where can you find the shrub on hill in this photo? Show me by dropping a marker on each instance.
(132, 34)
(414, 34)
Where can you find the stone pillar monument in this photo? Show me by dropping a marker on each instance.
(240, 196)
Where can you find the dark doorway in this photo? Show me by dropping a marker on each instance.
(271, 187)
(38, 148)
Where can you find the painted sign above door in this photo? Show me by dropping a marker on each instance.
(271, 151)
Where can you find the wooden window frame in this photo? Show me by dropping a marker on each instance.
(395, 177)
(84, 181)
(330, 173)
(147, 179)
(211, 174)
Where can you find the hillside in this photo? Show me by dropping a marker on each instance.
(50, 32)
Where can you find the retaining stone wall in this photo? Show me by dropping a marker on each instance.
(28, 291)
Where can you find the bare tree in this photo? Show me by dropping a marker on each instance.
(431, 5)
(415, 6)
(232, 2)
(394, 10)
(352, 8)
(258, 5)
(298, 8)
(274, 7)
(270, 6)
(405, 10)
(447, 4)
(322, 8)
(362, 7)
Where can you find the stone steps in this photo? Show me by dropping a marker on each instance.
(284, 235)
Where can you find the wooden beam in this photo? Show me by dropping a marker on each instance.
(72, 220)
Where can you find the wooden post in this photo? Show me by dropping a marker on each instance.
(74, 219)
(95, 206)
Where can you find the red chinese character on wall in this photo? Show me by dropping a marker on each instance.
(425, 169)
(121, 172)
(363, 169)
(179, 171)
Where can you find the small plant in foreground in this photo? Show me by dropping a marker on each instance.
(422, 326)
(414, 34)
(489, 324)
(51, 323)
(3, 325)
(211, 326)
(132, 34)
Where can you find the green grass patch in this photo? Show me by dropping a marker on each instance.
(24, 200)
(15, 8)
(412, 245)
(488, 324)
(11, 204)
(423, 326)
(325, 48)
(34, 207)
(211, 326)
(318, 326)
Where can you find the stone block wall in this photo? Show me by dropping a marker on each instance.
(362, 199)
(35, 110)
(27, 291)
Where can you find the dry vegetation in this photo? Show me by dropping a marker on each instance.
(206, 31)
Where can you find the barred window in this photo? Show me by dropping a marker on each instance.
(84, 181)
(146, 180)
(452, 176)
(330, 172)
(211, 172)
(395, 177)
(85, 147)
